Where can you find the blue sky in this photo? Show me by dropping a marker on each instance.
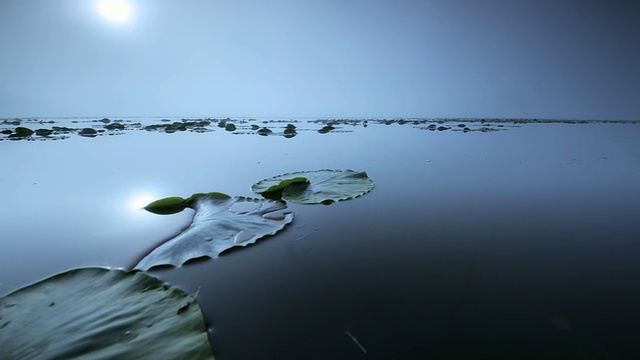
(322, 58)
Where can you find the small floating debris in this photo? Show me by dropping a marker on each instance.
(355, 340)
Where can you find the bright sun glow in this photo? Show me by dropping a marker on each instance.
(118, 11)
(140, 200)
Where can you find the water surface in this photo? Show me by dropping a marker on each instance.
(516, 243)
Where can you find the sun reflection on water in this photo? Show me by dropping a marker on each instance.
(138, 201)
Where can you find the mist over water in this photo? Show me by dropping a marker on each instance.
(571, 59)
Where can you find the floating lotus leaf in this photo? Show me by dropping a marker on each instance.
(323, 186)
(175, 204)
(220, 223)
(96, 313)
(88, 132)
(166, 206)
(191, 200)
(23, 131)
(113, 126)
(284, 183)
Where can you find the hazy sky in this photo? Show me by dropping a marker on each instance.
(322, 58)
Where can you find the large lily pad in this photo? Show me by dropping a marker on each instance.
(219, 224)
(96, 313)
(322, 186)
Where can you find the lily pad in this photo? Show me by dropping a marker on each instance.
(219, 223)
(166, 206)
(286, 182)
(191, 200)
(23, 131)
(96, 313)
(175, 204)
(113, 126)
(324, 186)
(88, 132)
(274, 192)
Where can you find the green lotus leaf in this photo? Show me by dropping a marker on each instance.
(264, 131)
(88, 132)
(219, 223)
(324, 186)
(96, 313)
(114, 126)
(166, 206)
(191, 200)
(23, 131)
(260, 188)
(44, 132)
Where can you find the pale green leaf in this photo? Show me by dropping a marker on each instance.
(219, 223)
(99, 314)
(324, 186)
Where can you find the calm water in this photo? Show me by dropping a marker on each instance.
(520, 243)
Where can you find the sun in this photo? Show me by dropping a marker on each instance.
(117, 11)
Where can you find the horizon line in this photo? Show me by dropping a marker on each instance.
(314, 118)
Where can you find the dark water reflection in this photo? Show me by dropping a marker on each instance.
(507, 244)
